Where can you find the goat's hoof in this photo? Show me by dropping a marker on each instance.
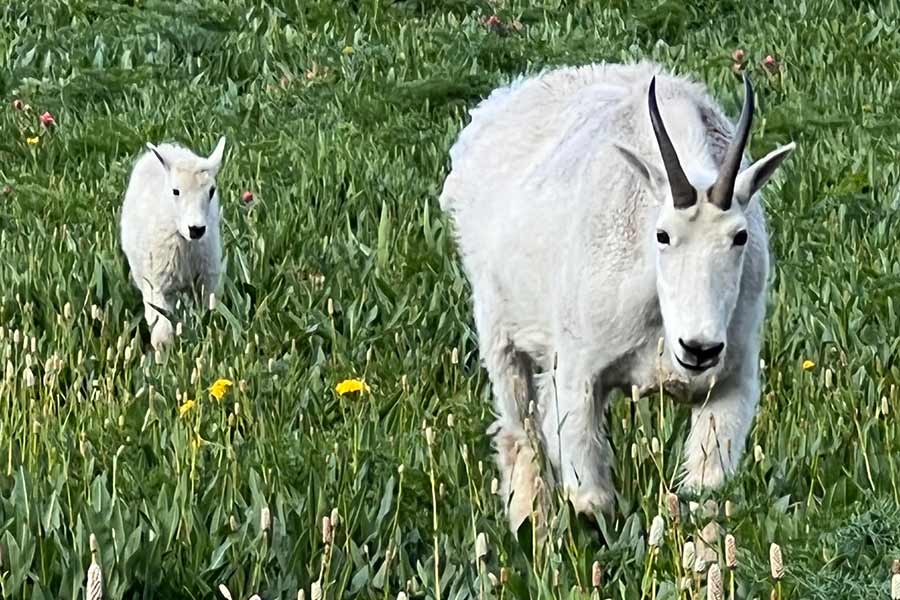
(708, 476)
(590, 500)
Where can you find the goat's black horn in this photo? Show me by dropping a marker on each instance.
(683, 193)
(722, 191)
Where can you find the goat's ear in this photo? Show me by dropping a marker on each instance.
(649, 174)
(754, 177)
(159, 155)
(215, 159)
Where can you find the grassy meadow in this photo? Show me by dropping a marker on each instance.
(339, 116)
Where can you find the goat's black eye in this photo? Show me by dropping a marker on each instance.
(212, 192)
(175, 191)
(740, 238)
(662, 237)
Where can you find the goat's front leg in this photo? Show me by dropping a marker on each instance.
(161, 329)
(719, 431)
(209, 287)
(574, 433)
(209, 266)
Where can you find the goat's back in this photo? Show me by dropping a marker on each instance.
(553, 123)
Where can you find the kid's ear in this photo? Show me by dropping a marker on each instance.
(159, 155)
(214, 162)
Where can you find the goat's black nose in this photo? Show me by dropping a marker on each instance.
(702, 352)
(196, 232)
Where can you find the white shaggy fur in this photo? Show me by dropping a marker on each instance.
(557, 191)
(170, 228)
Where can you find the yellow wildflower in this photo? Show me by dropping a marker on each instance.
(347, 51)
(33, 140)
(808, 365)
(220, 388)
(186, 408)
(348, 386)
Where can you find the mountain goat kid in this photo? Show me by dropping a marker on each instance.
(170, 228)
(600, 212)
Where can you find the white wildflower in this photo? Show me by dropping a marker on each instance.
(657, 529)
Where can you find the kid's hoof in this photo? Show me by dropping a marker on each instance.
(162, 334)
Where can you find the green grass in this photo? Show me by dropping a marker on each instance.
(346, 166)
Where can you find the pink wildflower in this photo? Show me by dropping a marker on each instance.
(492, 21)
(47, 120)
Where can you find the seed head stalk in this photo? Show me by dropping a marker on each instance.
(328, 550)
(649, 574)
(454, 370)
(429, 437)
(194, 442)
(481, 551)
(9, 456)
(394, 524)
(662, 406)
(115, 473)
(776, 566)
(474, 495)
(863, 444)
(265, 524)
(661, 421)
(731, 562)
(333, 334)
(674, 533)
(475, 501)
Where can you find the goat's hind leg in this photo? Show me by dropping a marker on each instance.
(511, 380)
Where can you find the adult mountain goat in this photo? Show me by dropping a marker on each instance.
(598, 210)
